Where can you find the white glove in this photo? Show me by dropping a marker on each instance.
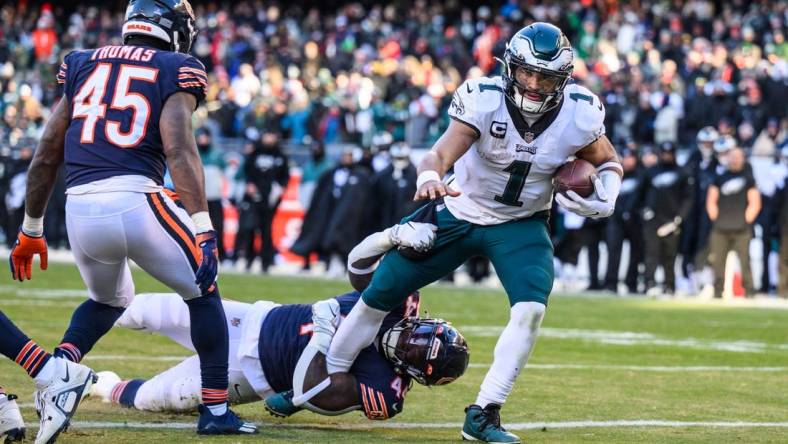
(597, 206)
(325, 320)
(417, 235)
(668, 228)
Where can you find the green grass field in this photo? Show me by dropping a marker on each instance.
(600, 359)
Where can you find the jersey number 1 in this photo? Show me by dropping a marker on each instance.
(88, 104)
(514, 186)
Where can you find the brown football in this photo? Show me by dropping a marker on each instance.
(576, 176)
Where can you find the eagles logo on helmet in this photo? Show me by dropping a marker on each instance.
(169, 20)
(541, 49)
(429, 350)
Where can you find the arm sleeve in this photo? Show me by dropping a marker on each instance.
(64, 77)
(192, 78)
(463, 107)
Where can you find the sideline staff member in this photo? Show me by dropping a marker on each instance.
(733, 202)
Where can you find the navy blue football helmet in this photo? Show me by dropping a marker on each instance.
(172, 21)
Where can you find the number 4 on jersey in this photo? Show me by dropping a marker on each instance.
(88, 104)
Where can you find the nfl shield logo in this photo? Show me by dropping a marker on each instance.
(529, 137)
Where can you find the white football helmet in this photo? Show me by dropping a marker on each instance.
(539, 48)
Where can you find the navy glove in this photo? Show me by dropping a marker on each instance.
(209, 263)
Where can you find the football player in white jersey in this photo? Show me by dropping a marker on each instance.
(507, 137)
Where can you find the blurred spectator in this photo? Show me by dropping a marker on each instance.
(393, 188)
(267, 173)
(666, 199)
(15, 195)
(317, 164)
(337, 217)
(625, 224)
(781, 219)
(213, 166)
(733, 203)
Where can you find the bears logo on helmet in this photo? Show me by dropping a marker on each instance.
(169, 20)
(431, 351)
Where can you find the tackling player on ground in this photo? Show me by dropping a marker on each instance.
(126, 114)
(277, 352)
(507, 137)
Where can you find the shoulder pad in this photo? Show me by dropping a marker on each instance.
(589, 113)
(481, 95)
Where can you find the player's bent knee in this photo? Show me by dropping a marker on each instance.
(535, 286)
(528, 315)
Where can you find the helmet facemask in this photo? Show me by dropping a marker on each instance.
(428, 350)
(533, 91)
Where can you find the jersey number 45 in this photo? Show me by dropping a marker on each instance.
(89, 105)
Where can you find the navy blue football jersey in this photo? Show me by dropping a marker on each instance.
(286, 331)
(116, 95)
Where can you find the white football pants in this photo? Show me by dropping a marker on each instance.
(179, 388)
(107, 229)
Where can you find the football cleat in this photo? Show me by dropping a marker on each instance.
(484, 424)
(281, 404)
(57, 401)
(227, 424)
(12, 427)
(103, 386)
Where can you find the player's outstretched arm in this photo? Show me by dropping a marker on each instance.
(341, 396)
(607, 183)
(455, 142)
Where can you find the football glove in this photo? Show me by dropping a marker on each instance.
(209, 263)
(21, 259)
(417, 235)
(325, 321)
(597, 206)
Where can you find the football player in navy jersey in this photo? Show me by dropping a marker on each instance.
(277, 352)
(125, 115)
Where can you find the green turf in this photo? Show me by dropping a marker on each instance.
(681, 334)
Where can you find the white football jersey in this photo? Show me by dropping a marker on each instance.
(508, 172)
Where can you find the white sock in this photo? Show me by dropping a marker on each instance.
(511, 352)
(46, 374)
(218, 410)
(355, 332)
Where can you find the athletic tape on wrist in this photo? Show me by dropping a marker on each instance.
(33, 226)
(202, 222)
(427, 176)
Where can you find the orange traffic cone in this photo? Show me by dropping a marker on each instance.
(738, 288)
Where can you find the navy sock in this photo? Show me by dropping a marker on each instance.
(125, 392)
(210, 338)
(17, 347)
(12, 340)
(89, 323)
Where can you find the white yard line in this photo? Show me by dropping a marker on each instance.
(647, 368)
(631, 338)
(636, 368)
(448, 425)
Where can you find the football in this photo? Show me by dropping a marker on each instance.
(576, 176)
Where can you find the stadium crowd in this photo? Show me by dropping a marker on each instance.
(293, 82)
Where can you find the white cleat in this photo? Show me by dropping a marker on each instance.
(57, 401)
(12, 427)
(102, 388)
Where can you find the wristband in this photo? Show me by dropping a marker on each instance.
(33, 226)
(427, 176)
(202, 222)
